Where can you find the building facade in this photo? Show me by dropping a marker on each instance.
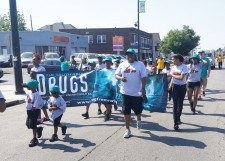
(45, 41)
(101, 40)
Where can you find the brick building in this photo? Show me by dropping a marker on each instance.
(101, 40)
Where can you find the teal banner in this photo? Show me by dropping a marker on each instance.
(82, 88)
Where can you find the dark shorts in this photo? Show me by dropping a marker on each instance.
(193, 85)
(132, 102)
(32, 117)
(44, 107)
(57, 120)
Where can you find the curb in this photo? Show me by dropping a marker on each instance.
(15, 102)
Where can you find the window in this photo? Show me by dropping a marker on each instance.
(142, 42)
(90, 39)
(135, 38)
(101, 39)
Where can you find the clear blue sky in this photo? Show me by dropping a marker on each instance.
(206, 17)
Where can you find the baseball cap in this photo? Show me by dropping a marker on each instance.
(117, 60)
(62, 58)
(99, 56)
(37, 56)
(92, 63)
(201, 51)
(54, 89)
(108, 59)
(118, 57)
(130, 50)
(31, 84)
(195, 56)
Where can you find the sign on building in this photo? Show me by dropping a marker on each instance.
(118, 42)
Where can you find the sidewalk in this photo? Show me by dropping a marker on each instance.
(11, 98)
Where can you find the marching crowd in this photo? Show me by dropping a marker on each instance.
(182, 79)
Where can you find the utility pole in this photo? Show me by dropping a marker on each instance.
(16, 48)
(139, 56)
(31, 23)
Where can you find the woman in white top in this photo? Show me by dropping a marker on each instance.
(194, 76)
(178, 85)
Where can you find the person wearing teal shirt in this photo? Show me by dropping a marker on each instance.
(64, 64)
(206, 69)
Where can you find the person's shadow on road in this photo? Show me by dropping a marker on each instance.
(85, 143)
(173, 141)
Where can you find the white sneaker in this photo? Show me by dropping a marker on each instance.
(139, 125)
(127, 134)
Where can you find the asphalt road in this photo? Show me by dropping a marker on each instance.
(201, 137)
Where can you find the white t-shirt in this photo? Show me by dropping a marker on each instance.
(38, 69)
(165, 71)
(60, 103)
(133, 72)
(100, 66)
(34, 100)
(194, 72)
(1, 95)
(179, 70)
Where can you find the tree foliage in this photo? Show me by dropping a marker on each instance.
(180, 41)
(5, 22)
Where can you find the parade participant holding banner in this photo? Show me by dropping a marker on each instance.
(132, 73)
(92, 66)
(57, 107)
(148, 72)
(108, 68)
(99, 66)
(34, 103)
(178, 85)
(64, 64)
(115, 66)
(2, 103)
(194, 74)
(38, 68)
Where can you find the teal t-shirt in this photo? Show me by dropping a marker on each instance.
(65, 66)
(205, 68)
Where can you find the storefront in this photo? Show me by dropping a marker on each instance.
(45, 41)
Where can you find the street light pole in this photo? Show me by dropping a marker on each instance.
(138, 24)
(16, 48)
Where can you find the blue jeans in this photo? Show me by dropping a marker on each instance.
(179, 92)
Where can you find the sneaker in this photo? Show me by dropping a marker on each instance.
(63, 128)
(176, 127)
(45, 119)
(127, 134)
(139, 125)
(107, 117)
(33, 142)
(85, 115)
(194, 112)
(54, 138)
(99, 111)
(39, 121)
(39, 131)
(203, 93)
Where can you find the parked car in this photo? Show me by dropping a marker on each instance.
(90, 57)
(49, 65)
(1, 73)
(51, 56)
(6, 60)
(26, 58)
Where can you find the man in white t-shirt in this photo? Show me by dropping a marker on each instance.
(2, 103)
(132, 73)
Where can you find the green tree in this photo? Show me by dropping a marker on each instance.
(5, 22)
(180, 41)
